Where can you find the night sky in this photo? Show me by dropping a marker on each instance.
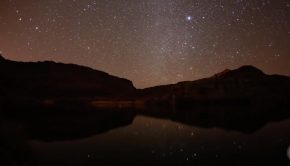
(150, 42)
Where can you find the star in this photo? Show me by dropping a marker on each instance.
(166, 42)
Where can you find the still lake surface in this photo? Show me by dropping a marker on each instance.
(152, 141)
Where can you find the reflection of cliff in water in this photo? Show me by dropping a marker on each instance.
(19, 127)
(59, 123)
(246, 119)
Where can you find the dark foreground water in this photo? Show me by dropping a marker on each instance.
(225, 136)
(151, 141)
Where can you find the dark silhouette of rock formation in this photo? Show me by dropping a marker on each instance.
(49, 80)
(246, 84)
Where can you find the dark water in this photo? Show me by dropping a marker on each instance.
(151, 141)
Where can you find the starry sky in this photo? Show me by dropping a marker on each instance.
(150, 42)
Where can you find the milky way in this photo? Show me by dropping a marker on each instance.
(150, 42)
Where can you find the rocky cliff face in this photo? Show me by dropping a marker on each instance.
(49, 79)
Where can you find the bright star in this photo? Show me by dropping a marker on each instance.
(188, 18)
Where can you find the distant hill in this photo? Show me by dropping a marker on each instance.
(246, 83)
(49, 79)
